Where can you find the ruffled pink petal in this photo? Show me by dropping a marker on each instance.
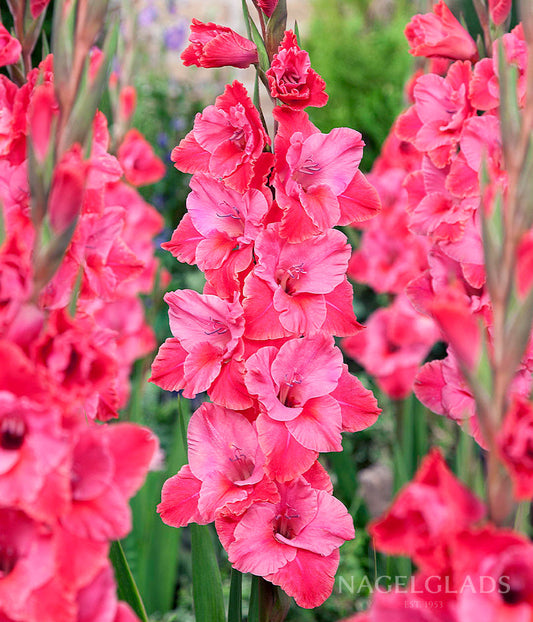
(359, 202)
(428, 386)
(302, 314)
(340, 317)
(228, 388)
(318, 426)
(179, 499)
(322, 206)
(189, 156)
(312, 366)
(358, 405)
(222, 440)
(309, 578)
(133, 448)
(167, 368)
(330, 528)
(296, 224)
(184, 241)
(201, 367)
(318, 477)
(286, 458)
(262, 319)
(216, 492)
(255, 549)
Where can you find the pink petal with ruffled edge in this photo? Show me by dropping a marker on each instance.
(309, 578)
(222, 440)
(179, 499)
(286, 458)
(358, 405)
(254, 548)
(318, 426)
(167, 368)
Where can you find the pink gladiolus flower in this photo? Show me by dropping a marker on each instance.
(318, 184)
(218, 46)
(98, 250)
(225, 469)
(393, 345)
(108, 467)
(425, 516)
(288, 291)
(33, 447)
(206, 348)
(441, 387)
(78, 361)
(219, 230)
(485, 86)
(291, 78)
(293, 542)
(305, 402)
(26, 561)
(439, 34)
(137, 158)
(493, 557)
(141, 223)
(227, 141)
(442, 105)
(10, 47)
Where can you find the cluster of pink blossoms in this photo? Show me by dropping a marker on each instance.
(467, 569)
(67, 347)
(458, 180)
(259, 339)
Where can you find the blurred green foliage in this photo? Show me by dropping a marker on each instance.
(359, 48)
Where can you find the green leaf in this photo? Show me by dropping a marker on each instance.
(509, 111)
(247, 18)
(63, 41)
(206, 581)
(235, 597)
(153, 548)
(45, 45)
(253, 607)
(126, 587)
(264, 61)
(525, 188)
(297, 34)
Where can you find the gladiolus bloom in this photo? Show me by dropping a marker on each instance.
(218, 46)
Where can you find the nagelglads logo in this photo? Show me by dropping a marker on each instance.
(433, 584)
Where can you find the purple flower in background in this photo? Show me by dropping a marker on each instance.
(147, 16)
(172, 6)
(178, 124)
(162, 140)
(175, 37)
